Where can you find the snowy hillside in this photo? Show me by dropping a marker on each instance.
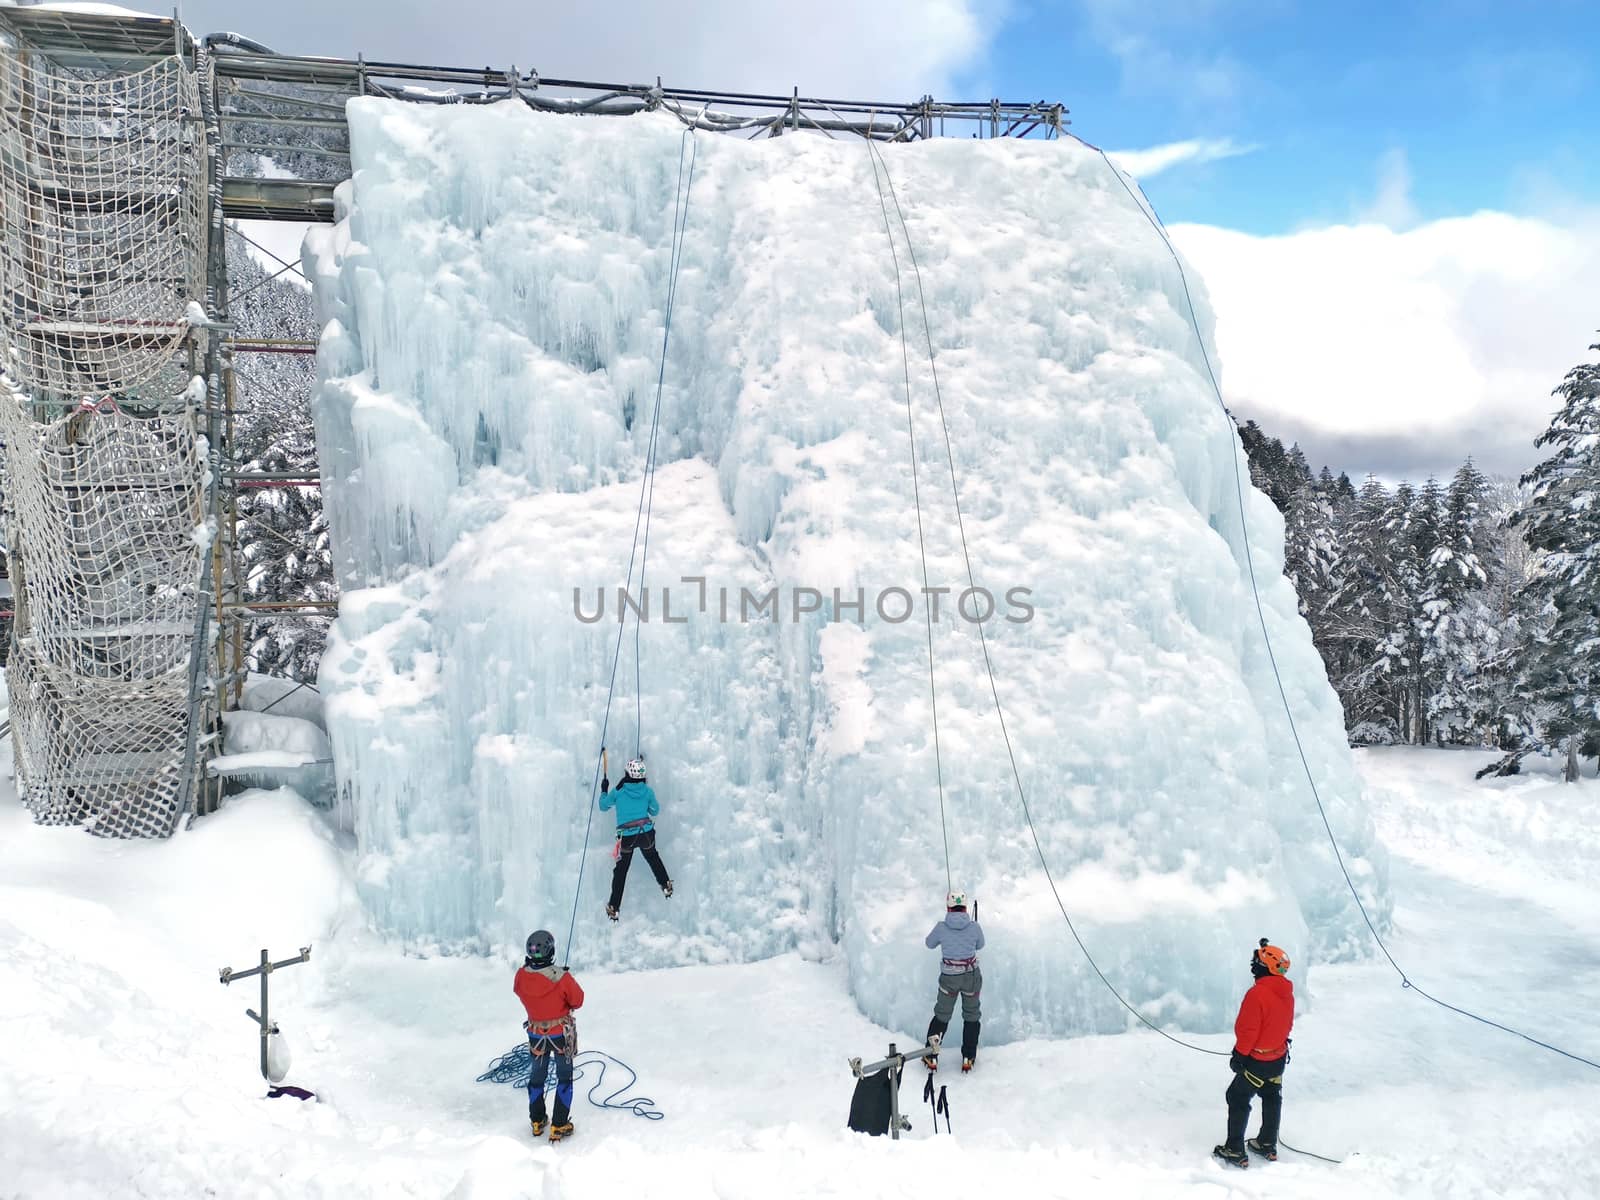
(128, 1070)
(496, 298)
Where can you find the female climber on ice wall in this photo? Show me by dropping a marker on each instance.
(636, 807)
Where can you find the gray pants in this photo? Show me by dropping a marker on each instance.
(967, 985)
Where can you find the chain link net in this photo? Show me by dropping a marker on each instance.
(103, 206)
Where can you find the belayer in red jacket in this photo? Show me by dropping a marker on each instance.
(1260, 1051)
(550, 995)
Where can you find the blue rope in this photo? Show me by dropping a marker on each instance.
(516, 1066)
(1150, 214)
(640, 520)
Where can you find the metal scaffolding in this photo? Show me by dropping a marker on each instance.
(126, 145)
(104, 271)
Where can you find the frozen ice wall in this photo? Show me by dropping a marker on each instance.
(495, 292)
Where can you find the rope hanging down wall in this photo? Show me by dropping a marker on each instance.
(688, 147)
(893, 197)
(916, 496)
(1150, 214)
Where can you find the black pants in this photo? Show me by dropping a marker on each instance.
(544, 1051)
(1256, 1078)
(645, 844)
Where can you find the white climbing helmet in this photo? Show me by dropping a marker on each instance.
(635, 768)
(956, 899)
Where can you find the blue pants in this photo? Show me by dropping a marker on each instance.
(544, 1049)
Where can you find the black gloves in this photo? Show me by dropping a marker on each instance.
(1237, 1062)
(605, 785)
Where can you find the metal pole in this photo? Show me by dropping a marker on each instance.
(894, 1092)
(264, 1018)
(266, 1021)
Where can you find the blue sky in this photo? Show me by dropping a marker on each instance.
(1401, 252)
(1484, 104)
(1491, 105)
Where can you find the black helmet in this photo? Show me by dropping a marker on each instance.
(541, 948)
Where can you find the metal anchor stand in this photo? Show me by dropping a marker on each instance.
(896, 1064)
(266, 968)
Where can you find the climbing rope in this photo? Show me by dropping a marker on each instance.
(680, 221)
(983, 640)
(1148, 209)
(516, 1066)
(641, 517)
(916, 495)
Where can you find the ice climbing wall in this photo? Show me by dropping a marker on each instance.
(495, 293)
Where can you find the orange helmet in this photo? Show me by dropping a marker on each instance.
(1273, 959)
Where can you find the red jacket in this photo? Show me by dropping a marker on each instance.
(1266, 1015)
(549, 995)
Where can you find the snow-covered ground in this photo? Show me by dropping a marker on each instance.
(126, 1069)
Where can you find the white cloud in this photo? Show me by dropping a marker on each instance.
(1142, 164)
(1391, 205)
(1403, 351)
(891, 50)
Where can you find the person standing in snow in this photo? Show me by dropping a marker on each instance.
(1260, 1052)
(636, 807)
(959, 938)
(550, 995)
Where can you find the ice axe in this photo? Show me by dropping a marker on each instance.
(939, 1104)
(605, 774)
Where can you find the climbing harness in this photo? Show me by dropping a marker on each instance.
(641, 521)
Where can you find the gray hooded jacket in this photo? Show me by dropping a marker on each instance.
(960, 938)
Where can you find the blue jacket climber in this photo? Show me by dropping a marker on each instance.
(635, 804)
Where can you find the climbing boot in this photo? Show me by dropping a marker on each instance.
(558, 1132)
(666, 889)
(1228, 1156)
(611, 911)
(538, 1127)
(1267, 1150)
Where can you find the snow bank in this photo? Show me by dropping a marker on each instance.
(248, 732)
(268, 750)
(127, 1069)
(285, 697)
(494, 297)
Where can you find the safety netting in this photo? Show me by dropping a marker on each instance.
(103, 206)
(102, 221)
(108, 537)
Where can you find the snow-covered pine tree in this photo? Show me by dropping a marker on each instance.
(1562, 524)
(1310, 548)
(283, 537)
(1461, 640)
(1363, 613)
